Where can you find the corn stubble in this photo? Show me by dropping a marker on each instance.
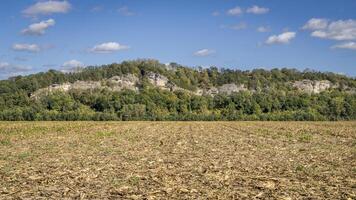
(177, 160)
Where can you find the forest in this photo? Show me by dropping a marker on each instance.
(269, 96)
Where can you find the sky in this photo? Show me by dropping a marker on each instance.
(38, 35)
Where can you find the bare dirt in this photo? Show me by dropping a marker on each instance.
(178, 160)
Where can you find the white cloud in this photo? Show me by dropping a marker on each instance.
(283, 38)
(26, 47)
(71, 66)
(346, 45)
(38, 28)
(235, 11)
(7, 70)
(125, 11)
(257, 10)
(47, 7)
(263, 29)
(108, 47)
(204, 52)
(73, 63)
(13, 68)
(315, 24)
(340, 30)
(337, 30)
(4, 65)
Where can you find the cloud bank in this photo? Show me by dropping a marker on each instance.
(346, 45)
(39, 28)
(257, 10)
(283, 38)
(333, 30)
(108, 47)
(72, 66)
(204, 52)
(8, 69)
(26, 47)
(47, 8)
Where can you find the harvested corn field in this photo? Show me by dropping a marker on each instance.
(177, 160)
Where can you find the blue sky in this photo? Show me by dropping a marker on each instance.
(41, 35)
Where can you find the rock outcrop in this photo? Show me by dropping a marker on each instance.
(158, 80)
(163, 83)
(128, 81)
(116, 83)
(211, 91)
(52, 88)
(131, 82)
(85, 85)
(310, 86)
(225, 89)
(231, 88)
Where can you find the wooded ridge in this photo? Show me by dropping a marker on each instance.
(149, 90)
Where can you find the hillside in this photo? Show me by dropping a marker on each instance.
(149, 90)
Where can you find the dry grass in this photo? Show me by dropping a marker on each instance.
(177, 160)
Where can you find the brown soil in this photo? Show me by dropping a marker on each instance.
(178, 160)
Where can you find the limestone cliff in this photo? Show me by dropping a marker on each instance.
(310, 86)
(131, 82)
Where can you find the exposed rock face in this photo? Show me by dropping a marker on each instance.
(310, 86)
(54, 87)
(130, 82)
(118, 83)
(163, 82)
(63, 87)
(225, 89)
(157, 79)
(212, 91)
(231, 88)
(85, 85)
